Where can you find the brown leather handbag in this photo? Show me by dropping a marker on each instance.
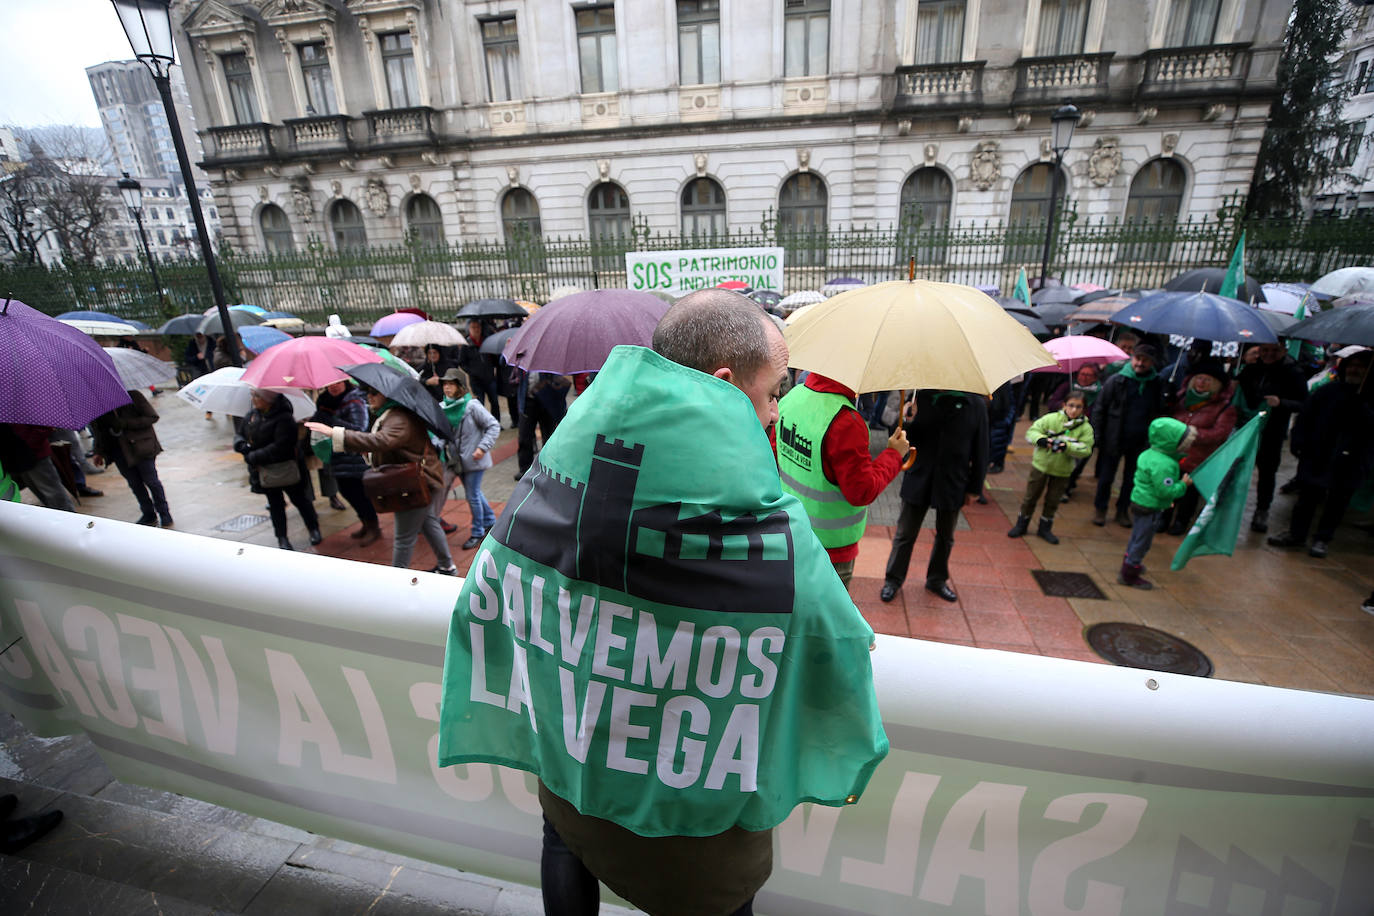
(396, 487)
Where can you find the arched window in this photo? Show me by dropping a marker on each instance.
(608, 219)
(523, 231)
(520, 214)
(276, 230)
(802, 218)
(703, 207)
(608, 211)
(1155, 199)
(347, 222)
(1030, 209)
(424, 221)
(923, 221)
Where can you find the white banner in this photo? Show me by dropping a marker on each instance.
(681, 272)
(305, 689)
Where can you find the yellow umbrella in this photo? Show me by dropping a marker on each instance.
(528, 306)
(914, 334)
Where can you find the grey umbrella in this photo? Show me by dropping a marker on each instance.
(211, 324)
(491, 308)
(182, 324)
(405, 391)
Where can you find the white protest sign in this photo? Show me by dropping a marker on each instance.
(305, 689)
(681, 272)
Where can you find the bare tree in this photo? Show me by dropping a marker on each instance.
(71, 175)
(22, 226)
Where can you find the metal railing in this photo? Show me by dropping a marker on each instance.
(361, 285)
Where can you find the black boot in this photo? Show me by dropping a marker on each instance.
(315, 536)
(1022, 523)
(1045, 531)
(284, 544)
(16, 834)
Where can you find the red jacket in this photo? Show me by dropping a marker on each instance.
(1213, 419)
(845, 460)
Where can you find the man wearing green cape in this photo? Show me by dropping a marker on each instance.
(653, 629)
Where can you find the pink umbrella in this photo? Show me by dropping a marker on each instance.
(1081, 350)
(390, 324)
(306, 362)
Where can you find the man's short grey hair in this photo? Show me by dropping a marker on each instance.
(713, 329)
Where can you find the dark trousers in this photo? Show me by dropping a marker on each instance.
(1333, 502)
(143, 480)
(535, 415)
(1106, 474)
(1041, 483)
(569, 888)
(351, 489)
(276, 507)
(491, 390)
(904, 539)
(1267, 461)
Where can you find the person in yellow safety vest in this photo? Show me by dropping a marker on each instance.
(823, 459)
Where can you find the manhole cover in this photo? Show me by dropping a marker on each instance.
(1067, 584)
(241, 523)
(1136, 646)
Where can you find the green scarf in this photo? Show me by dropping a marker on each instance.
(1128, 370)
(455, 409)
(1193, 399)
(654, 630)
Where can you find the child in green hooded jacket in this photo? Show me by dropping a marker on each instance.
(1158, 482)
(1061, 437)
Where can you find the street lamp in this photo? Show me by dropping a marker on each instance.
(148, 26)
(132, 192)
(1062, 123)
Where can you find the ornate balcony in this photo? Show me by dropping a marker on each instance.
(322, 134)
(1078, 77)
(241, 141)
(1206, 70)
(928, 87)
(401, 127)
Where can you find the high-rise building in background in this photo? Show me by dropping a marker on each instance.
(136, 124)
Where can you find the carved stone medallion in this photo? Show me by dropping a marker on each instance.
(378, 200)
(985, 165)
(1105, 160)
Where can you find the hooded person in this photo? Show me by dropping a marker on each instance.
(1158, 482)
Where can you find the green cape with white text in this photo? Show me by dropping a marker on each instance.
(652, 627)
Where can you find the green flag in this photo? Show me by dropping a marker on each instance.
(1022, 290)
(1234, 280)
(1224, 479)
(1295, 345)
(652, 627)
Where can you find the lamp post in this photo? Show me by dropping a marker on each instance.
(148, 26)
(1062, 123)
(132, 192)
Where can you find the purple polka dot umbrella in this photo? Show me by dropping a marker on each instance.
(51, 374)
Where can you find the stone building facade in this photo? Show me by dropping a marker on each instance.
(352, 122)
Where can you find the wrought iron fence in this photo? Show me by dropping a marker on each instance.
(360, 285)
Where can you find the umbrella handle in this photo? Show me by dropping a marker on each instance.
(910, 460)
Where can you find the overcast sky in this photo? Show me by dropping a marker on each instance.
(45, 48)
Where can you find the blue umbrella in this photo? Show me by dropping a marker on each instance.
(101, 316)
(259, 337)
(1200, 315)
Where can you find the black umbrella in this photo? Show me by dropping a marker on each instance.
(211, 324)
(1352, 325)
(182, 324)
(1055, 312)
(1209, 280)
(405, 391)
(492, 308)
(1031, 323)
(363, 339)
(1085, 298)
(494, 344)
(766, 297)
(1012, 304)
(1053, 295)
